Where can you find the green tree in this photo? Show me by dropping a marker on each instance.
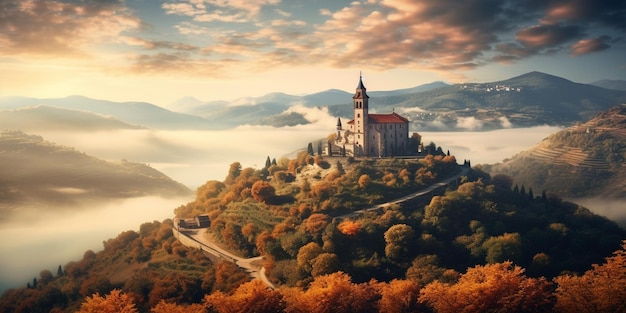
(503, 248)
(307, 254)
(325, 263)
(268, 162)
(398, 239)
(309, 149)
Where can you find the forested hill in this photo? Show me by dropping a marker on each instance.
(483, 244)
(295, 221)
(37, 173)
(588, 159)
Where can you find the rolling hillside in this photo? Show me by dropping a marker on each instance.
(41, 174)
(45, 118)
(528, 100)
(137, 113)
(588, 159)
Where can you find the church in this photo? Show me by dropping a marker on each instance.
(371, 135)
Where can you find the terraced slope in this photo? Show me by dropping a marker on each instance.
(587, 159)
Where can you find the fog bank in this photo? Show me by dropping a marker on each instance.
(57, 237)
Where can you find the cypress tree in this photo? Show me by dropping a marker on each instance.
(268, 162)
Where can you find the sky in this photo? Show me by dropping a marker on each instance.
(161, 51)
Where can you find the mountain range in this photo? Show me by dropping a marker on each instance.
(531, 99)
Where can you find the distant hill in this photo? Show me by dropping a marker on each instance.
(270, 109)
(611, 84)
(588, 159)
(528, 100)
(138, 113)
(41, 174)
(44, 118)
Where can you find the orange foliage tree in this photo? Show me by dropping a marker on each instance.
(399, 296)
(349, 227)
(500, 287)
(601, 289)
(115, 302)
(253, 296)
(332, 293)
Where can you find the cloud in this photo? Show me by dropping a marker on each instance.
(542, 36)
(61, 28)
(586, 46)
(219, 36)
(233, 11)
(469, 123)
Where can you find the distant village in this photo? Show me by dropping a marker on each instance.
(490, 88)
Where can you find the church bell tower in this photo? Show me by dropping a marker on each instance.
(361, 103)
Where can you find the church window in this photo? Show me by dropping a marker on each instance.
(358, 115)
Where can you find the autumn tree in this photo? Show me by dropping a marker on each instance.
(349, 227)
(253, 296)
(233, 172)
(114, 302)
(500, 287)
(399, 296)
(364, 181)
(333, 293)
(600, 289)
(262, 191)
(164, 307)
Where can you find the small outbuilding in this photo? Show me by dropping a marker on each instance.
(203, 221)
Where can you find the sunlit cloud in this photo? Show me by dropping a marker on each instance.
(61, 28)
(232, 38)
(542, 36)
(235, 11)
(586, 46)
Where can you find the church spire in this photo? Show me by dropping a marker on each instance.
(360, 86)
(361, 91)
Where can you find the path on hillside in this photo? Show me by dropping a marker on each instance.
(420, 193)
(196, 239)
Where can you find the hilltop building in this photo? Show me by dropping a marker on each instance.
(371, 135)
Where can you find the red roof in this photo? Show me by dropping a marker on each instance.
(392, 118)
